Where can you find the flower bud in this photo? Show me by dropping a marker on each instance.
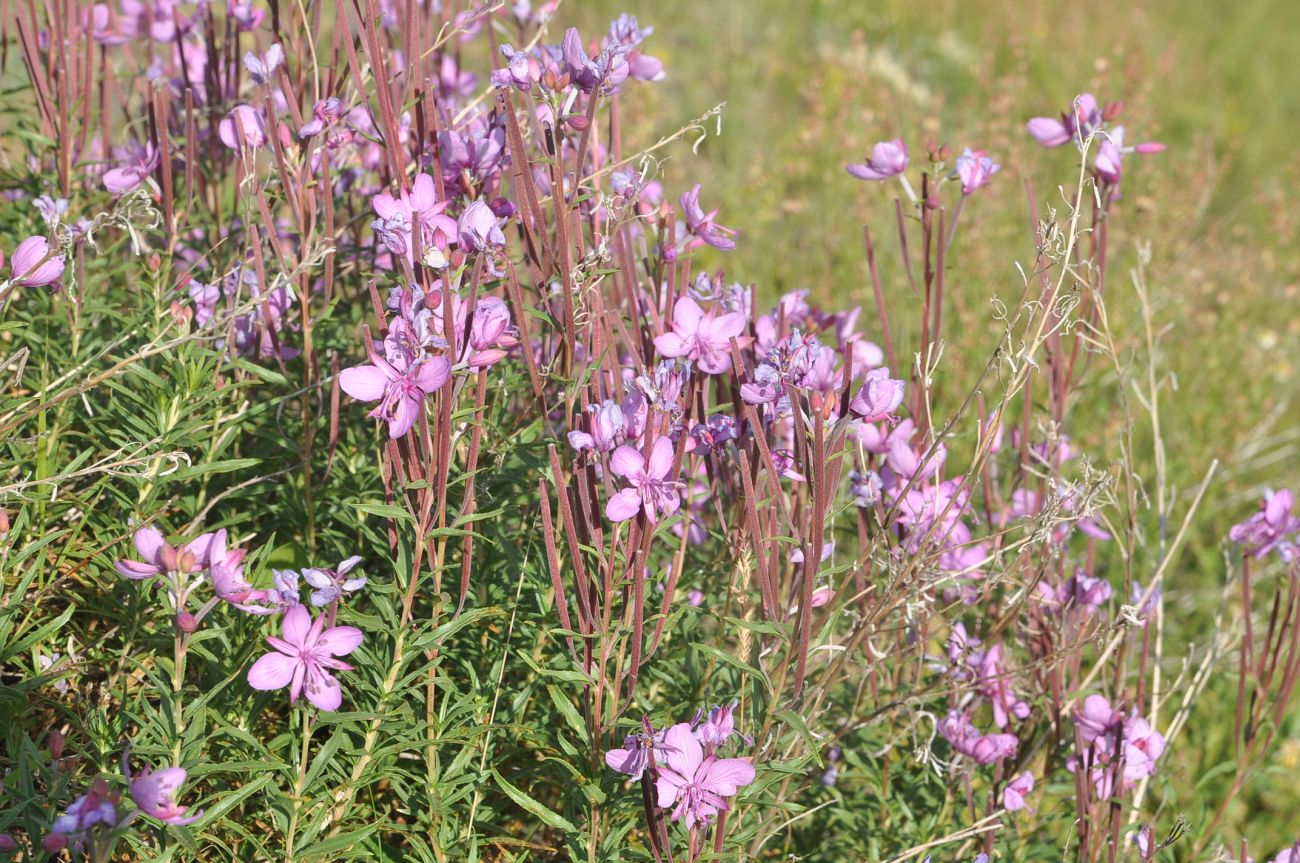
(7, 843)
(186, 622)
(577, 122)
(54, 843)
(55, 744)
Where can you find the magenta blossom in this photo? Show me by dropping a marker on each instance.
(492, 334)
(155, 794)
(1013, 796)
(158, 558)
(306, 654)
(718, 726)
(634, 757)
(888, 159)
(225, 568)
(879, 397)
(242, 127)
(400, 393)
(1263, 531)
(982, 748)
(651, 490)
(693, 786)
(399, 215)
(606, 424)
(35, 264)
(1096, 718)
(701, 224)
(1075, 124)
(975, 168)
(704, 337)
(137, 162)
(479, 230)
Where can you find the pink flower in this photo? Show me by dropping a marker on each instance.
(225, 568)
(400, 393)
(1264, 530)
(1110, 157)
(250, 120)
(693, 786)
(701, 336)
(634, 757)
(995, 685)
(650, 489)
(1077, 123)
(155, 794)
(98, 806)
(136, 164)
(719, 726)
(1013, 796)
(158, 558)
(306, 655)
(879, 397)
(606, 425)
(888, 159)
(1096, 719)
(701, 224)
(975, 168)
(966, 739)
(478, 228)
(418, 207)
(492, 333)
(34, 264)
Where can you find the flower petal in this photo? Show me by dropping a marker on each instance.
(149, 542)
(323, 690)
(340, 640)
(296, 625)
(364, 383)
(661, 458)
(272, 671)
(624, 505)
(626, 462)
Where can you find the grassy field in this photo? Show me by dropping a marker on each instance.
(811, 86)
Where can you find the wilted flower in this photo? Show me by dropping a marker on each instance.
(634, 757)
(263, 67)
(606, 428)
(137, 162)
(701, 224)
(478, 228)
(304, 657)
(982, 748)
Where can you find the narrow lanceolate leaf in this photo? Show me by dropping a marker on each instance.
(548, 816)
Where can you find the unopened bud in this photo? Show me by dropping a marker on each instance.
(186, 622)
(55, 744)
(54, 843)
(1112, 110)
(7, 843)
(154, 262)
(578, 122)
(503, 208)
(185, 560)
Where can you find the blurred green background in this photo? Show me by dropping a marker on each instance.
(810, 86)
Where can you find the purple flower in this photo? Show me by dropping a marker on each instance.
(263, 67)
(327, 115)
(478, 228)
(35, 264)
(625, 32)
(225, 568)
(1263, 531)
(247, 118)
(158, 558)
(1078, 123)
(155, 794)
(306, 655)
(634, 757)
(701, 224)
(888, 159)
(522, 71)
(96, 807)
(1013, 796)
(693, 786)
(137, 163)
(332, 584)
(713, 434)
(995, 685)
(492, 333)
(982, 748)
(719, 726)
(704, 337)
(650, 489)
(606, 426)
(1110, 154)
(975, 168)
(417, 207)
(602, 75)
(400, 393)
(1096, 718)
(879, 397)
